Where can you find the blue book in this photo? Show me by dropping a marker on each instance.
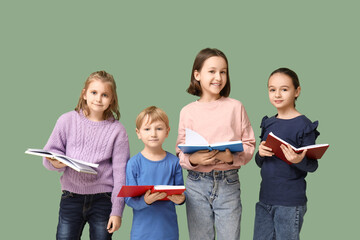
(195, 142)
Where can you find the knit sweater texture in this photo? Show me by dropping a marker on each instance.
(105, 143)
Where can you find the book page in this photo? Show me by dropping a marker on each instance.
(193, 138)
(39, 152)
(225, 143)
(167, 187)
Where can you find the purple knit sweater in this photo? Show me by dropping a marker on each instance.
(105, 143)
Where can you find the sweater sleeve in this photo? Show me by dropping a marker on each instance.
(248, 140)
(179, 180)
(120, 157)
(137, 203)
(56, 143)
(259, 160)
(308, 138)
(184, 158)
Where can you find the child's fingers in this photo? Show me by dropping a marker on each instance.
(213, 153)
(266, 154)
(210, 161)
(201, 152)
(263, 147)
(285, 150)
(109, 226)
(209, 154)
(161, 195)
(148, 192)
(177, 198)
(303, 153)
(158, 195)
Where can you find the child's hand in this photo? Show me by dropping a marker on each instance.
(114, 224)
(265, 151)
(292, 156)
(56, 163)
(177, 198)
(225, 157)
(204, 157)
(149, 197)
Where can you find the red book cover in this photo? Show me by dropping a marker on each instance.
(135, 191)
(313, 151)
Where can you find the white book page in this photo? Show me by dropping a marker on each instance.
(193, 138)
(82, 163)
(76, 166)
(39, 152)
(312, 146)
(225, 143)
(166, 187)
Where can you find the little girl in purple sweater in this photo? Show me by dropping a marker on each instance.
(91, 133)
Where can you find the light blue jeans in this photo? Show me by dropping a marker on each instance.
(273, 222)
(213, 205)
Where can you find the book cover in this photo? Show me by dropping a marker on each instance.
(135, 191)
(315, 151)
(195, 142)
(77, 165)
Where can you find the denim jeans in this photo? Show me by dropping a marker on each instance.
(278, 222)
(213, 205)
(77, 209)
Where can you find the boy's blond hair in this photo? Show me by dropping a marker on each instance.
(154, 114)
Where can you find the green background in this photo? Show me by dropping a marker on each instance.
(48, 48)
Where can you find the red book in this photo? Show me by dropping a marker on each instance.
(135, 191)
(313, 151)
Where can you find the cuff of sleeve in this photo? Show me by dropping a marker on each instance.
(185, 161)
(118, 209)
(303, 165)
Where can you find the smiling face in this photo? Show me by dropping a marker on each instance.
(212, 78)
(98, 98)
(282, 92)
(153, 134)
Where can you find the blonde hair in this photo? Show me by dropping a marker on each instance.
(113, 109)
(154, 114)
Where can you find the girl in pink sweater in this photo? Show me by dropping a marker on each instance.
(91, 133)
(213, 201)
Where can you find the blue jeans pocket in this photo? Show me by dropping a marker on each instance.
(232, 179)
(192, 175)
(66, 194)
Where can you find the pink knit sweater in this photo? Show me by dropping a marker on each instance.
(219, 121)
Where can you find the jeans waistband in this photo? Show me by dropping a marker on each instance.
(215, 174)
(77, 194)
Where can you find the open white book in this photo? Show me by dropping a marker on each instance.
(195, 142)
(77, 165)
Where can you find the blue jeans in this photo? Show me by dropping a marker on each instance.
(213, 205)
(278, 222)
(77, 209)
